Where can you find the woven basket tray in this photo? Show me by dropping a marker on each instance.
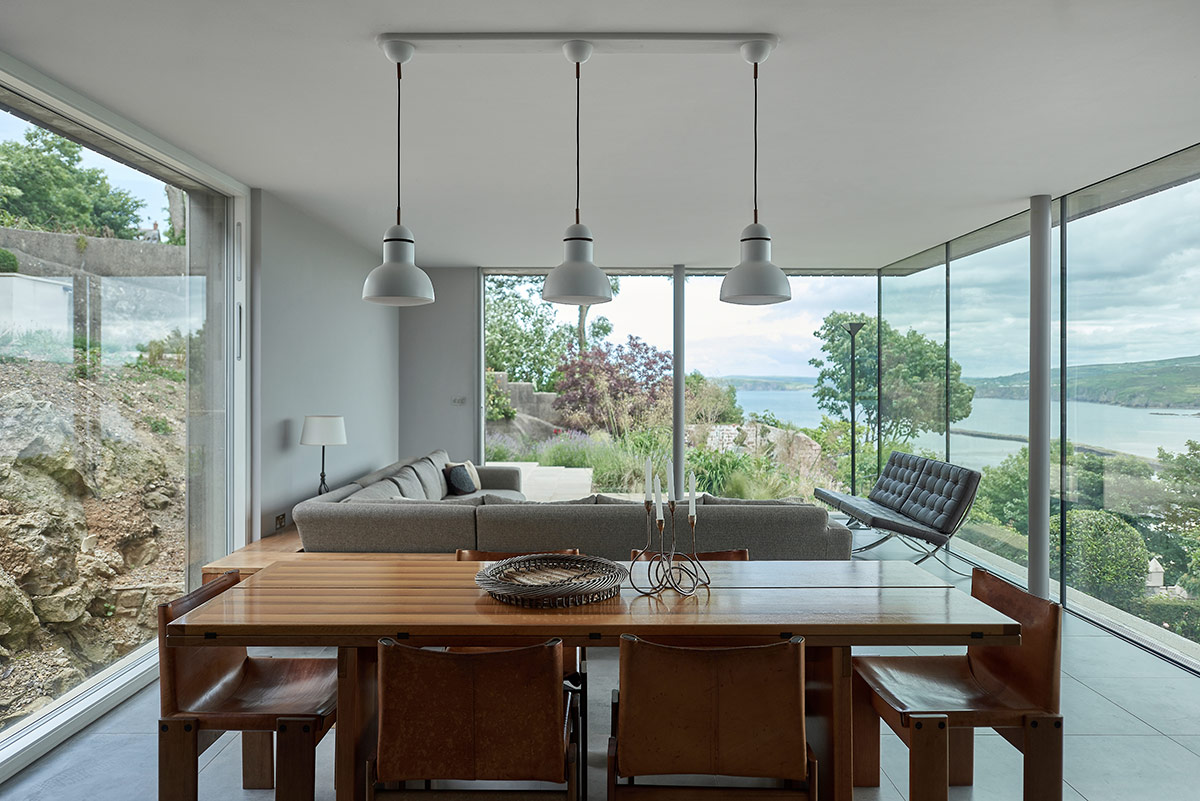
(552, 580)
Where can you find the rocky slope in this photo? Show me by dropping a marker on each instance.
(92, 521)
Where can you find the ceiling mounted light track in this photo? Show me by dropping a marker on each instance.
(398, 281)
(577, 281)
(755, 281)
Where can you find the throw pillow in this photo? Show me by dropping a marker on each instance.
(461, 478)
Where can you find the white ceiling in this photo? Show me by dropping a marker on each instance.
(886, 127)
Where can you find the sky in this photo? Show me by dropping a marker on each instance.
(150, 191)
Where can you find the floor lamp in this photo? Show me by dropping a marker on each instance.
(852, 329)
(323, 429)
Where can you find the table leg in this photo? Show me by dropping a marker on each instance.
(829, 713)
(355, 729)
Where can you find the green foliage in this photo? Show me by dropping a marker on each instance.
(496, 402)
(1106, 557)
(87, 358)
(614, 388)
(159, 425)
(708, 402)
(1173, 614)
(42, 181)
(1162, 383)
(834, 438)
(164, 357)
(715, 469)
(8, 261)
(769, 418)
(522, 336)
(914, 378)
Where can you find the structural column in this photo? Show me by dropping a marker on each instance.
(678, 430)
(1039, 395)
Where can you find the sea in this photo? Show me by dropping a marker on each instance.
(1140, 432)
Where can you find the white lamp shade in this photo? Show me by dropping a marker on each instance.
(323, 429)
(577, 281)
(398, 281)
(755, 281)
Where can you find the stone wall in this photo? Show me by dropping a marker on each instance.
(48, 254)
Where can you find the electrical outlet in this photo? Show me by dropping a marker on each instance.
(280, 521)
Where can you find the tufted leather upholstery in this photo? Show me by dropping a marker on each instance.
(941, 495)
(916, 496)
(897, 480)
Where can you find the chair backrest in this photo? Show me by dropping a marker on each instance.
(732, 555)
(1032, 669)
(897, 480)
(187, 673)
(467, 555)
(712, 711)
(495, 716)
(942, 496)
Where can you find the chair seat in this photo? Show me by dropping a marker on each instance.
(268, 689)
(942, 685)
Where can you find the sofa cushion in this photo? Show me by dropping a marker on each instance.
(383, 490)
(409, 484)
(897, 480)
(610, 499)
(461, 478)
(716, 500)
(381, 473)
(496, 496)
(460, 500)
(431, 478)
(508, 497)
(440, 459)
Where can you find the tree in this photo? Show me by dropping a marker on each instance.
(612, 387)
(914, 378)
(522, 335)
(709, 402)
(1106, 557)
(42, 181)
(584, 334)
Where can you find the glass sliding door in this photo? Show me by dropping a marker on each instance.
(113, 386)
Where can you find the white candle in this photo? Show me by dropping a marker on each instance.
(648, 471)
(670, 481)
(692, 498)
(658, 498)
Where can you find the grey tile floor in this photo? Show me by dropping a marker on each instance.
(1132, 723)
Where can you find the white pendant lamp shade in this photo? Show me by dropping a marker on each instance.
(755, 281)
(398, 281)
(577, 281)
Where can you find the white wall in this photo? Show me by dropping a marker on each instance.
(440, 368)
(319, 349)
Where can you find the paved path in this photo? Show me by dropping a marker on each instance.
(541, 483)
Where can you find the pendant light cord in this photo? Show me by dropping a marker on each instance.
(398, 149)
(756, 142)
(577, 143)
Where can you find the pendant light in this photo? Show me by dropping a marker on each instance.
(577, 281)
(755, 281)
(398, 281)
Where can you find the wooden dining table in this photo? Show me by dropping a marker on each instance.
(326, 600)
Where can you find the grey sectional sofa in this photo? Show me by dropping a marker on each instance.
(382, 512)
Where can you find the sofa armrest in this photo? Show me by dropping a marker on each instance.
(499, 477)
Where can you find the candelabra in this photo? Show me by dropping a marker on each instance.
(667, 567)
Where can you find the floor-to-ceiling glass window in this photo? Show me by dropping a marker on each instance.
(914, 414)
(577, 387)
(989, 345)
(768, 394)
(1132, 485)
(113, 387)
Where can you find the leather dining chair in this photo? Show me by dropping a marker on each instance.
(934, 703)
(574, 659)
(221, 688)
(732, 555)
(724, 712)
(495, 716)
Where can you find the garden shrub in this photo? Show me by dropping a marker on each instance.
(8, 261)
(1106, 557)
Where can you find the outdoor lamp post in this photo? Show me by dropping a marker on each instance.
(852, 329)
(323, 429)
